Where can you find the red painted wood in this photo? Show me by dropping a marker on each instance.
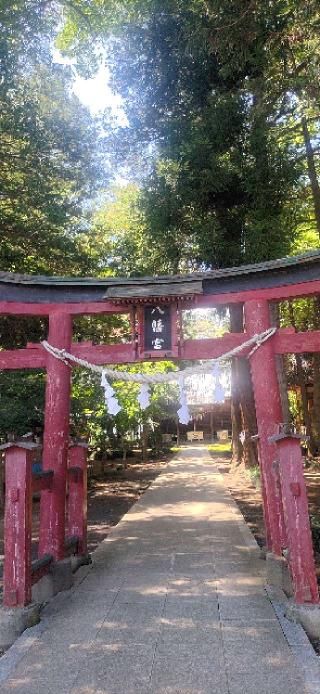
(23, 358)
(18, 308)
(190, 349)
(175, 328)
(40, 483)
(101, 307)
(269, 416)
(297, 343)
(77, 498)
(286, 341)
(212, 348)
(140, 326)
(56, 440)
(271, 294)
(36, 356)
(295, 505)
(134, 332)
(17, 527)
(105, 354)
(282, 523)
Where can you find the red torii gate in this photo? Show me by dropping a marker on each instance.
(253, 286)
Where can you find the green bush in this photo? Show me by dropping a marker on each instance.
(253, 474)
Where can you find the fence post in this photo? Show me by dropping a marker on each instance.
(17, 523)
(295, 506)
(77, 497)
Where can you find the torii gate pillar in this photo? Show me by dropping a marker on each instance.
(56, 439)
(269, 416)
(295, 502)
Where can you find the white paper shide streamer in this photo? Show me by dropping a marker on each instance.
(145, 380)
(242, 437)
(111, 401)
(183, 412)
(219, 394)
(144, 396)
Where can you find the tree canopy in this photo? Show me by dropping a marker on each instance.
(219, 145)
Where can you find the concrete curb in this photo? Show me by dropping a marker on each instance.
(303, 653)
(29, 637)
(298, 641)
(19, 649)
(296, 637)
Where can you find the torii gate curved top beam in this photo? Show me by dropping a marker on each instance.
(272, 280)
(253, 285)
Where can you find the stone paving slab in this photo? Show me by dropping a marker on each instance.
(174, 603)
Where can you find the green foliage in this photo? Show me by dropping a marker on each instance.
(293, 404)
(217, 93)
(101, 329)
(253, 474)
(118, 239)
(49, 170)
(89, 416)
(221, 100)
(200, 324)
(315, 530)
(21, 402)
(221, 447)
(47, 173)
(49, 163)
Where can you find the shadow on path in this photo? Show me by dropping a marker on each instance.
(174, 603)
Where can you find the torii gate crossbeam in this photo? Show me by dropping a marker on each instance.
(253, 286)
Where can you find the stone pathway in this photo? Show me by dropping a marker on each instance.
(173, 604)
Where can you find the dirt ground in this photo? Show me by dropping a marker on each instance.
(248, 498)
(111, 494)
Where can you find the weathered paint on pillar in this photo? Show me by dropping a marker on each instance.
(276, 473)
(77, 498)
(17, 524)
(56, 440)
(295, 504)
(269, 416)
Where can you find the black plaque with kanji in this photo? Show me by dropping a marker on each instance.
(157, 328)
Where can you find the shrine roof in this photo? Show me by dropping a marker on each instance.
(283, 271)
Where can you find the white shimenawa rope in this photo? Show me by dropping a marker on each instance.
(168, 376)
(146, 380)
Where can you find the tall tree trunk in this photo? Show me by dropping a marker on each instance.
(248, 412)
(282, 379)
(301, 381)
(243, 407)
(124, 454)
(236, 326)
(236, 418)
(211, 425)
(316, 380)
(178, 433)
(312, 171)
(316, 401)
(144, 442)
